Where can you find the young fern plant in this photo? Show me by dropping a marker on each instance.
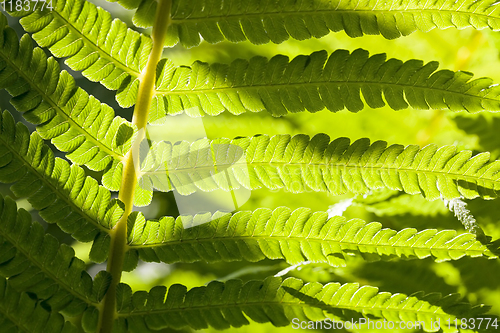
(46, 288)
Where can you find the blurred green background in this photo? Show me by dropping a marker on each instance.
(466, 50)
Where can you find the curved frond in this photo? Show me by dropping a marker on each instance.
(275, 21)
(298, 164)
(20, 313)
(394, 203)
(75, 122)
(484, 126)
(296, 236)
(35, 262)
(223, 305)
(403, 276)
(104, 49)
(60, 192)
(316, 82)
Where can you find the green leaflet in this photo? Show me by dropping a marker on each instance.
(35, 262)
(316, 82)
(104, 49)
(264, 21)
(19, 311)
(223, 305)
(75, 122)
(295, 236)
(144, 15)
(60, 192)
(298, 164)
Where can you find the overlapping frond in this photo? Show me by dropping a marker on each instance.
(60, 192)
(231, 304)
(20, 313)
(264, 21)
(299, 164)
(403, 276)
(75, 122)
(295, 236)
(394, 203)
(35, 262)
(103, 48)
(484, 126)
(316, 82)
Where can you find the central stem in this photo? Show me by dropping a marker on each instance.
(129, 175)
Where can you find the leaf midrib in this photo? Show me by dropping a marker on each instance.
(286, 304)
(315, 84)
(316, 240)
(241, 16)
(327, 165)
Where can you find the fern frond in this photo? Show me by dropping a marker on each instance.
(20, 313)
(394, 203)
(316, 82)
(484, 127)
(60, 192)
(35, 262)
(75, 122)
(275, 21)
(471, 277)
(298, 164)
(223, 305)
(295, 236)
(104, 49)
(404, 276)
